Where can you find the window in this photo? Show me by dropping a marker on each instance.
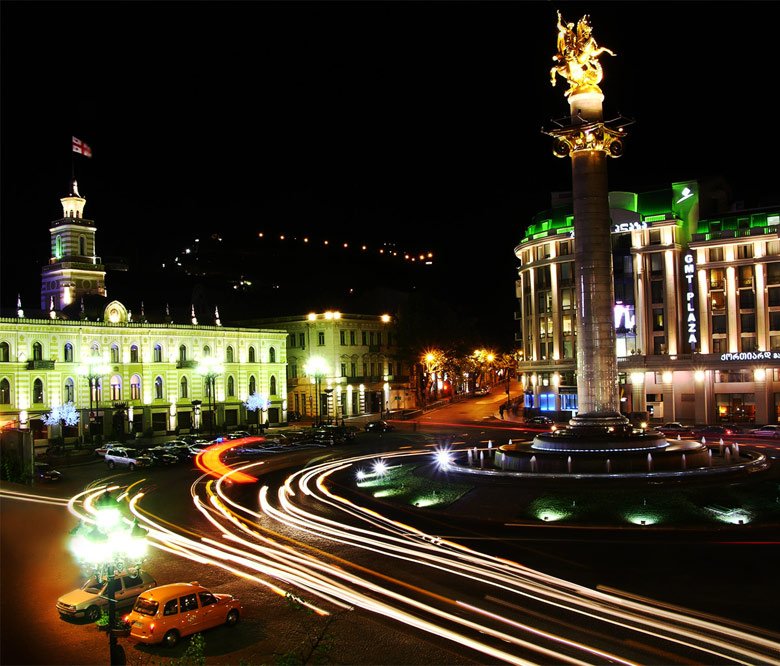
(567, 299)
(157, 357)
(655, 237)
(252, 355)
(656, 264)
(744, 252)
(773, 273)
(301, 341)
(171, 607)
(37, 351)
(272, 355)
(115, 386)
(390, 368)
(115, 353)
(231, 387)
(69, 390)
(188, 602)
(564, 248)
(747, 323)
(343, 369)
(717, 278)
(748, 344)
(745, 276)
(67, 355)
(657, 291)
(183, 392)
(82, 246)
(133, 354)
(659, 344)
(774, 345)
(343, 336)
(135, 387)
(719, 324)
(567, 273)
(37, 392)
(158, 388)
(5, 392)
(569, 402)
(658, 319)
(719, 345)
(206, 599)
(716, 254)
(320, 338)
(252, 385)
(545, 302)
(229, 354)
(747, 299)
(183, 353)
(718, 300)
(353, 369)
(774, 296)
(547, 402)
(352, 338)
(206, 351)
(363, 337)
(272, 386)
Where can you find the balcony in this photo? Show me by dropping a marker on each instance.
(186, 364)
(39, 364)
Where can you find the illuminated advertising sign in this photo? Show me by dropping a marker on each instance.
(751, 356)
(628, 226)
(624, 317)
(689, 272)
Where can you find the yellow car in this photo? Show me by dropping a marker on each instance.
(167, 613)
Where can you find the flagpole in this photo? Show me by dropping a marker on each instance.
(72, 164)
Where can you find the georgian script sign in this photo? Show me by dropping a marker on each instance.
(751, 356)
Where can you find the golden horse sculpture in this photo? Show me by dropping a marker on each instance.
(577, 57)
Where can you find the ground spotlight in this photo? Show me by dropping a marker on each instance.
(380, 468)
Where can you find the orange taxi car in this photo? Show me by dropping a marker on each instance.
(167, 613)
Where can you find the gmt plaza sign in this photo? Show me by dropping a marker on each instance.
(689, 271)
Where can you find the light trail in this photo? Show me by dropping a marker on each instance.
(250, 543)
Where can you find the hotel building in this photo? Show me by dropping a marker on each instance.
(696, 312)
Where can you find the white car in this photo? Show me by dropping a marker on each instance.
(121, 457)
(767, 431)
(92, 597)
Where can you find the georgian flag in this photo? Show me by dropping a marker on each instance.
(82, 148)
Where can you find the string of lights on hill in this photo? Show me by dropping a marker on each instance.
(387, 249)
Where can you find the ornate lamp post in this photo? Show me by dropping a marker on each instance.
(93, 369)
(210, 368)
(317, 368)
(109, 547)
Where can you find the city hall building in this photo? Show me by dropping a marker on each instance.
(121, 371)
(696, 312)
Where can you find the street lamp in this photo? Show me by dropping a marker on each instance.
(210, 368)
(93, 369)
(110, 546)
(432, 360)
(316, 367)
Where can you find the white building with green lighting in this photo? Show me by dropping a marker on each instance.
(697, 309)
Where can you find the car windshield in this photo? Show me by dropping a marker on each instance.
(146, 606)
(91, 585)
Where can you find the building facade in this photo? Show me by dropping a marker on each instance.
(124, 373)
(696, 312)
(351, 359)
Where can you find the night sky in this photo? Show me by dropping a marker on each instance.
(406, 122)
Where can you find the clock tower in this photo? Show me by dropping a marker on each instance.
(73, 270)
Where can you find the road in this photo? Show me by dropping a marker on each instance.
(393, 593)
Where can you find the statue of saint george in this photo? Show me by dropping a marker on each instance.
(577, 57)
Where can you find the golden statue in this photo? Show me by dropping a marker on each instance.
(577, 57)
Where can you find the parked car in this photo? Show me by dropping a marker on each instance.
(92, 597)
(167, 613)
(767, 431)
(540, 420)
(238, 434)
(130, 458)
(482, 390)
(293, 415)
(715, 430)
(179, 449)
(161, 456)
(45, 473)
(101, 451)
(674, 426)
(379, 426)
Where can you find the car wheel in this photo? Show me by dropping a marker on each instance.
(171, 638)
(131, 467)
(93, 613)
(111, 464)
(232, 618)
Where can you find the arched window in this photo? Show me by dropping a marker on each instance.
(229, 355)
(272, 355)
(69, 391)
(252, 385)
(157, 354)
(183, 353)
(5, 352)
(94, 350)
(273, 385)
(231, 387)
(115, 354)
(37, 392)
(251, 354)
(58, 248)
(37, 351)
(206, 351)
(135, 387)
(158, 388)
(183, 389)
(5, 392)
(116, 388)
(82, 246)
(133, 354)
(68, 353)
